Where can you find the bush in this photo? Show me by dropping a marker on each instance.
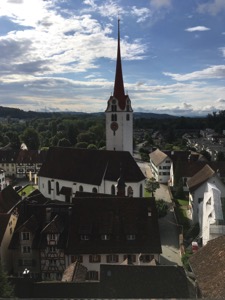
(162, 208)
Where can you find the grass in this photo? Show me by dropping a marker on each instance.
(27, 190)
(182, 202)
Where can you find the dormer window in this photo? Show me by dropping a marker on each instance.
(52, 236)
(105, 237)
(25, 236)
(85, 237)
(131, 237)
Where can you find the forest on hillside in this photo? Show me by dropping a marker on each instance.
(83, 130)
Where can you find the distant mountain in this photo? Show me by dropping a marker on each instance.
(8, 112)
(139, 115)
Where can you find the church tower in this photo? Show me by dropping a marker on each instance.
(119, 113)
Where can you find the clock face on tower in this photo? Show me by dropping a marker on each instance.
(114, 126)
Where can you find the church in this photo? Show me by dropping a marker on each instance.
(68, 170)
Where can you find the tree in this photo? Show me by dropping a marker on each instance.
(206, 154)
(31, 138)
(64, 143)
(151, 185)
(6, 289)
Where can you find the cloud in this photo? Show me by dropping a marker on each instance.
(220, 100)
(141, 13)
(158, 4)
(197, 28)
(208, 73)
(213, 7)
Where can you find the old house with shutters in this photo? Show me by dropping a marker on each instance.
(102, 230)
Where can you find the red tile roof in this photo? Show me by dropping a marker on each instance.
(208, 265)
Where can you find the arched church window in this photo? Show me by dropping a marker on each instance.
(94, 190)
(49, 186)
(81, 188)
(113, 190)
(114, 108)
(57, 188)
(130, 191)
(114, 117)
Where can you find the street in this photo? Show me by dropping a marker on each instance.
(169, 230)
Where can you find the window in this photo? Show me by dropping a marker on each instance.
(94, 190)
(81, 188)
(95, 258)
(52, 262)
(112, 258)
(25, 236)
(131, 237)
(113, 190)
(84, 237)
(52, 236)
(92, 275)
(200, 200)
(57, 188)
(105, 237)
(128, 117)
(78, 258)
(114, 108)
(26, 249)
(114, 117)
(146, 258)
(167, 161)
(52, 248)
(130, 258)
(49, 187)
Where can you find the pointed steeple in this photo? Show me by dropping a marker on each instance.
(119, 93)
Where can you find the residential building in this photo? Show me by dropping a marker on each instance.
(2, 179)
(197, 186)
(21, 163)
(68, 170)
(119, 113)
(93, 231)
(160, 164)
(211, 219)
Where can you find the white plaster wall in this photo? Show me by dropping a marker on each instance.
(199, 193)
(123, 138)
(104, 188)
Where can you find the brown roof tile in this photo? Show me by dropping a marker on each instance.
(157, 157)
(199, 178)
(208, 265)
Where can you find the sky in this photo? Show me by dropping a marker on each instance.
(60, 55)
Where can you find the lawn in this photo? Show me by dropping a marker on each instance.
(27, 190)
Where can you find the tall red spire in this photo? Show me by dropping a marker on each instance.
(119, 93)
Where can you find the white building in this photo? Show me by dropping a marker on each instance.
(197, 187)
(119, 113)
(68, 170)
(160, 164)
(211, 214)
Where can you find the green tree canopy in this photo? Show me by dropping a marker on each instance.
(31, 138)
(151, 185)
